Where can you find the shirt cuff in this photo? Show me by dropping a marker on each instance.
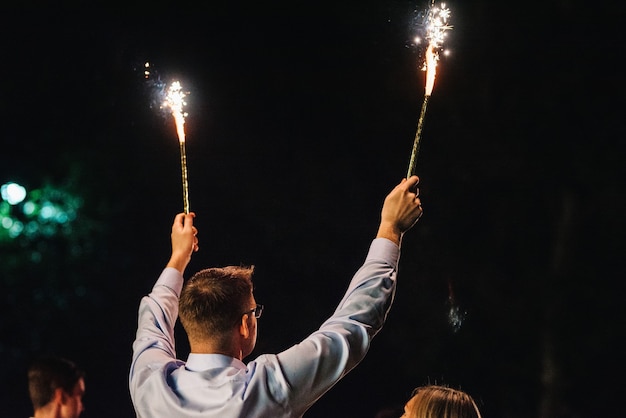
(171, 278)
(387, 250)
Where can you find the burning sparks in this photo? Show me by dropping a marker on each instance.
(434, 25)
(171, 99)
(146, 72)
(456, 316)
(175, 101)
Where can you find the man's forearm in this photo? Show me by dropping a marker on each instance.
(391, 232)
(179, 262)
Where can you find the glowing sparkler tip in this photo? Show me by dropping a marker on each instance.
(433, 27)
(437, 24)
(433, 24)
(175, 100)
(456, 317)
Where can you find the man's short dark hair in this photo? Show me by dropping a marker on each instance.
(213, 300)
(46, 374)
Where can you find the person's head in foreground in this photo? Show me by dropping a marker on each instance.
(56, 387)
(218, 311)
(440, 402)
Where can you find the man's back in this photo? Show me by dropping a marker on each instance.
(219, 314)
(281, 385)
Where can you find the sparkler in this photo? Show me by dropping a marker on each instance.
(435, 24)
(455, 315)
(175, 100)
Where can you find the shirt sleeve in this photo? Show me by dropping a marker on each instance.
(154, 344)
(303, 373)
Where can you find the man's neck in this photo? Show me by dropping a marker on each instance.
(51, 410)
(210, 347)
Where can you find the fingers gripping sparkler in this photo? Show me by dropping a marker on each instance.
(175, 100)
(435, 24)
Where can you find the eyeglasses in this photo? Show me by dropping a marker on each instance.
(258, 310)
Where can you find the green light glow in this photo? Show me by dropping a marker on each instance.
(12, 193)
(44, 212)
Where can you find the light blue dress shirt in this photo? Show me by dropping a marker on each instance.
(272, 385)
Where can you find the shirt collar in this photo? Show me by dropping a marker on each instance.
(200, 362)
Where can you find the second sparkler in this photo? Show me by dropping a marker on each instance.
(175, 100)
(435, 25)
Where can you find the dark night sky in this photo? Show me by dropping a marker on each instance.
(301, 119)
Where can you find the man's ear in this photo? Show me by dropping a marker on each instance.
(244, 329)
(60, 397)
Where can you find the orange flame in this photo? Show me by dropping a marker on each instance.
(175, 100)
(431, 64)
(180, 125)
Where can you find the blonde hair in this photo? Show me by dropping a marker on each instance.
(435, 401)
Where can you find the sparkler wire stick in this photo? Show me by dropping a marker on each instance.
(175, 100)
(418, 135)
(436, 24)
(183, 165)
